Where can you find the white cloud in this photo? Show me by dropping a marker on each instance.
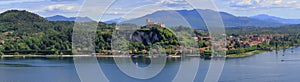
(17, 1)
(177, 4)
(292, 2)
(246, 2)
(173, 2)
(115, 13)
(60, 7)
(298, 5)
(262, 4)
(277, 2)
(57, 9)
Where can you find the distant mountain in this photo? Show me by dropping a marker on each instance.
(193, 19)
(117, 20)
(59, 18)
(62, 18)
(282, 20)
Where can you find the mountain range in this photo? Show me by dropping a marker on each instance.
(278, 19)
(62, 18)
(193, 19)
(117, 20)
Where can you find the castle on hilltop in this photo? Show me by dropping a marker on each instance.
(150, 24)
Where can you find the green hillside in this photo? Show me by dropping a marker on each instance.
(23, 32)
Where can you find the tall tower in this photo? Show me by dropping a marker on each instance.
(148, 20)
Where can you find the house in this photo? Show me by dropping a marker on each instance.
(117, 27)
(256, 39)
(205, 48)
(2, 42)
(17, 37)
(205, 38)
(196, 38)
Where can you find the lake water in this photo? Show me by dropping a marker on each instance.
(265, 67)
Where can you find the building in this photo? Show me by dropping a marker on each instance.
(205, 38)
(2, 42)
(150, 24)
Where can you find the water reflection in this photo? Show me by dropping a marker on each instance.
(262, 67)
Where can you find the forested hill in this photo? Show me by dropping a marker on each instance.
(23, 22)
(17, 16)
(23, 32)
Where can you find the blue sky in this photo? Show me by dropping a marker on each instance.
(135, 8)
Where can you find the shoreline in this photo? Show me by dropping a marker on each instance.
(98, 56)
(126, 56)
(246, 54)
(241, 55)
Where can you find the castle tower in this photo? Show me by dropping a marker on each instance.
(148, 21)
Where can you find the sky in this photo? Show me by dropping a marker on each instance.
(110, 9)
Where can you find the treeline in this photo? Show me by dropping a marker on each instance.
(288, 29)
(242, 50)
(23, 32)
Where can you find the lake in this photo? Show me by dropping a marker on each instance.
(282, 66)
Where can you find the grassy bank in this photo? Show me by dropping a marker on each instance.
(246, 54)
